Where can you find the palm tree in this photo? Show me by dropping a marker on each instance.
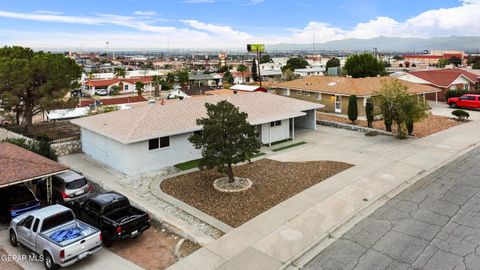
(242, 68)
(157, 81)
(139, 87)
(120, 72)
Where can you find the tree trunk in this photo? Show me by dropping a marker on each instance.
(231, 178)
(28, 114)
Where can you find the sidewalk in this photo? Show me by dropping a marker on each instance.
(291, 229)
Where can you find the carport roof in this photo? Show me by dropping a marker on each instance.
(19, 165)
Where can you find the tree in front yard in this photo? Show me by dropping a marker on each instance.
(32, 82)
(352, 108)
(139, 87)
(399, 107)
(226, 139)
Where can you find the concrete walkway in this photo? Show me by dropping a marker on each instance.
(293, 230)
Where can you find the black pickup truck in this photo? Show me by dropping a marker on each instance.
(112, 213)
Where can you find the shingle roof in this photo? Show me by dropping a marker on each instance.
(18, 164)
(349, 86)
(444, 77)
(154, 120)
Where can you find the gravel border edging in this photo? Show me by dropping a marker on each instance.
(352, 127)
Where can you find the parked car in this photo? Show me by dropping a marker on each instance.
(112, 213)
(54, 233)
(468, 101)
(101, 92)
(67, 187)
(16, 200)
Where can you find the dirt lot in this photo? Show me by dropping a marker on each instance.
(430, 125)
(153, 249)
(273, 182)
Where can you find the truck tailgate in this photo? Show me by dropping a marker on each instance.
(84, 247)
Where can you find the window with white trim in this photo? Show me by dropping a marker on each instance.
(318, 96)
(157, 143)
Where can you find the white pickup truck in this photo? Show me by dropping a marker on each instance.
(54, 233)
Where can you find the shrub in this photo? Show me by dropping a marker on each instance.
(369, 113)
(461, 114)
(455, 93)
(409, 125)
(388, 124)
(352, 108)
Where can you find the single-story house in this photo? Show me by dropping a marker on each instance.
(443, 79)
(126, 85)
(334, 92)
(310, 71)
(153, 136)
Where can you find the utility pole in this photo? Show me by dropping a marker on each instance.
(259, 54)
(108, 43)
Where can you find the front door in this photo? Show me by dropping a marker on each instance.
(338, 104)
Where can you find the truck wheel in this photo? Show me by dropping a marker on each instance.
(13, 238)
(452, 105)
(48, 261)
(106, 239)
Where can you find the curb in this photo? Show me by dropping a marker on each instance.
(305, 256)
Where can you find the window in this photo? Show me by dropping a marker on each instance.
(57, 220)
(126, 87)
(164, 142)
(153, 144)
(466, 87)
(318, 96)
(276, 123)
(27, 222)
(35, 225)
(300, 92)
(158, 143)
(306, 93)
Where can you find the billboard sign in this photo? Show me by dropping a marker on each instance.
(256, 48)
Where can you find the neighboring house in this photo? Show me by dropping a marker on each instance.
(310, 71)
(334, 92)
(126, 85)
(239, 78)
(443, 79)
(248, 88)
(205, 79)
(150, 137)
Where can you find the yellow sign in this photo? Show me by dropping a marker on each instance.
(256, 47)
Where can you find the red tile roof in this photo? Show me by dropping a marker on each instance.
(19, 164)
(114, 101)
(444, 77)
(420, 56)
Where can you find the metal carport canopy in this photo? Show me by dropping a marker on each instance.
(18, 165)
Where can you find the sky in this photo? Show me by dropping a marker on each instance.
(219, 24)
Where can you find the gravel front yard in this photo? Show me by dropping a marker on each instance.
(273, 182)
(430, 125)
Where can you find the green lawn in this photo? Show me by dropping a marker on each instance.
(194, 163)
(288, 146)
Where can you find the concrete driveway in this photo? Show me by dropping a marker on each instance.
(101, 260)
(443, 109)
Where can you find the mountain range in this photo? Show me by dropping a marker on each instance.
(387, 44)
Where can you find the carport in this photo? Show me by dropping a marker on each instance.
(18, 165)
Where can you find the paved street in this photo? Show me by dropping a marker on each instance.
(434, 224)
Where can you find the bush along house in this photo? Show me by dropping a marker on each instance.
(155, 135)
(333, 92)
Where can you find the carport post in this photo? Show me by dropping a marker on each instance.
(293, 128)
(49, 190)
(436, 98)
(270, 135)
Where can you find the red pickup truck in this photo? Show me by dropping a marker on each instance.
(468, 101)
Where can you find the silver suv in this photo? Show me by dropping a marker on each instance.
(67, 187)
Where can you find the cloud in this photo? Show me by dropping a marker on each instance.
(145, 13)
(218, 30)
(140, 30)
